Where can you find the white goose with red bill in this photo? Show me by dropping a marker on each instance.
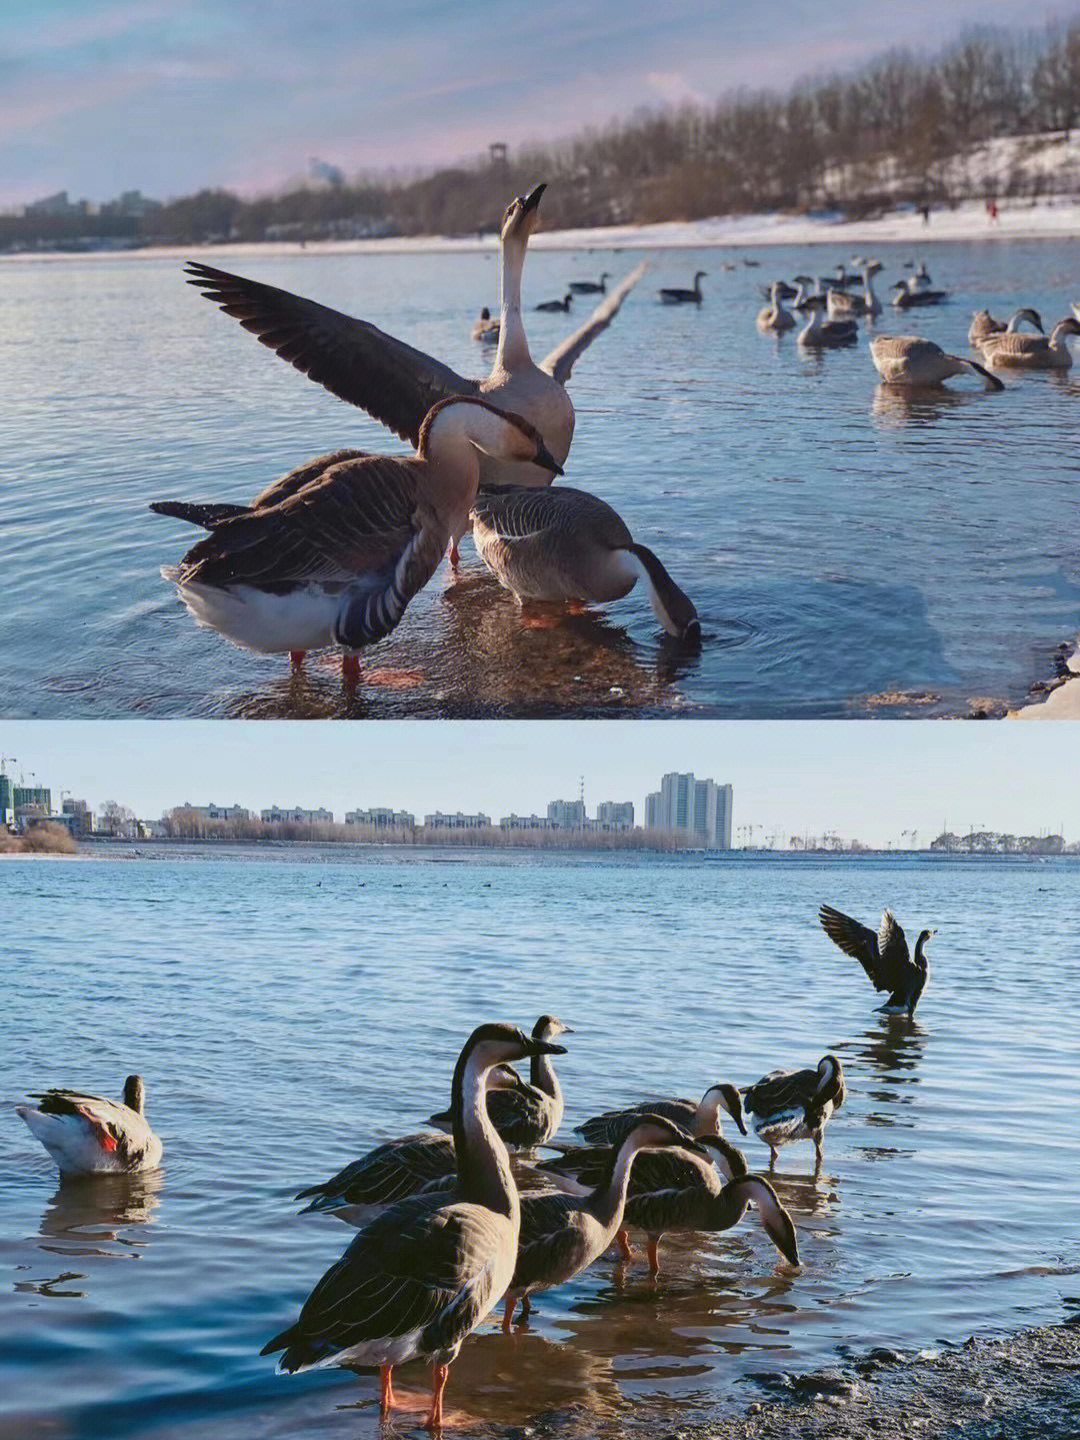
(700, 1118)
(333, 560)
(565, 546)
(561, 1235)
(884, 956)
(397, 384)
(787, 1106)
(92, 1135)
(424, 1274)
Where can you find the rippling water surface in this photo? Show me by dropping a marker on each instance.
(848, 550)
(289, 1014)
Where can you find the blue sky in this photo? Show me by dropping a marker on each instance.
(862, 779)
(99, 96)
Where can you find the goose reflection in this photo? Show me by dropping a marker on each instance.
(895, 406)
(88, 1215)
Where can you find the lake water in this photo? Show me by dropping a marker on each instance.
(850, 552)
(288, 1013)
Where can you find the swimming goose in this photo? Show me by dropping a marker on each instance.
(909, 295)
(526, 1115)
(774, 317)
(884, 956)
(564, 545)
(1032, 352)
(822, 334)
(561, 1235)
(673, 296)
(485, 328)
(911, 360)
(407, 1166)
(701, 1119)
(983, 324)
(337, 561)
(91, 1135)
(802, 297)
(705, 1204)
(551, 305)
(590, 287)
(421, 1277)
(790, 1105)
(842, 306)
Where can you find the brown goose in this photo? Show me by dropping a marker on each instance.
(339, 558)
(552, 305)
(566, 546)
(420, 1278)
(910, 360)
(774, 317)
(791, 1105)
(590, 287)
(707, 1205)
(699, 1119)
(1032, 352)
(92, 1135)
(983, 324)
(819, 334)
(884, 956)
(561, 1235)
(672, 295)
(485, 328)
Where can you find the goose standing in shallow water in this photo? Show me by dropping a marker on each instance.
(984, 325)
(421, 1277)
(561, 1235)
(884, 956)
(708, 1206)
(91, 1135)
(911, 360)
(791, 1105)
(564, 545)
(1032, 352)
(702, 1118)
(774, 317)
(673, 296)
(336, 562)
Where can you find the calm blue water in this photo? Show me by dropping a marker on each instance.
(847, 550)
(289, 1013)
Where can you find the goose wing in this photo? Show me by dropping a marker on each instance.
(563, 358)
(780, 1090)
(547, 1238)
(884, 955)
(517, 1115)
(522, 514)
(389, 1173)
(613, 1127)
(395, 383)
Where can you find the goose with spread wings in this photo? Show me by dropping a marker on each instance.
(884, 956)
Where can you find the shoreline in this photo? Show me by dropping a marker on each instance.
(1060, 699)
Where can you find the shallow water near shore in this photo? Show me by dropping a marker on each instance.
(289, 1010)
(850, 552)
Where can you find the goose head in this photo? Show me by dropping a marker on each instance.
(519, 220)
(499, 433)
(547, 1027)
(134, 1093)
(1068, 326)
(1027, 313)
(522, 441)
(925, 936)
(727, 1159)
(831, 1076)
(777, 1223)
(726, 1097)
(485, 313)
(653, 1132)
(497, 1044)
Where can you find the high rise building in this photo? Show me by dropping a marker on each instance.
(567, 814)
(615, 814)
(700, 807)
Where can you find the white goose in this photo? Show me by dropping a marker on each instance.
(91, 1135)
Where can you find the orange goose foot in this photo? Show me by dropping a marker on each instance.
(508, 1313)
(622, 1243)
(439, 1375)
(653, 1249)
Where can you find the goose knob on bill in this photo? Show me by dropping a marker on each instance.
(421, 1277)
(884, 956)
(92, 1135)
(791, 1105)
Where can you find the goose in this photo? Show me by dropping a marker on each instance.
(842, 306)
(983, 324)
(822, 334)
(337, 560)
(91, 1135)
(670, 296)
(397, 384)
(774, 317)
(563, 304)
(701, 1119)
(590, 287)
(485, 328)
(419, 1278)
(911, 360)
(1032, 352)
(802, 297)
(839, 305)
(790, 1105)
(526, 1115)
(392, 1171)
(561, 1235)
(564, 545)
(909, 295)
(884, 956)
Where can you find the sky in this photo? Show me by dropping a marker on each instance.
(868, 780)
(102, 96)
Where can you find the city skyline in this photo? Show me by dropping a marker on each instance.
(873, 782)
(141, 94)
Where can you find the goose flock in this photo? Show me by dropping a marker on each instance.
(444, 1234)
(330, 555)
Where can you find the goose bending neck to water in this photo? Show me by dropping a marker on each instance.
(910, 360)
(1032, 352)
(671, 295)
(92, 1135)
(564, 545)
(337, 560)
(421, 1277)
(561, 1235)
(884, 956)
(790, 1105)
(983, 324)
(700, 1118)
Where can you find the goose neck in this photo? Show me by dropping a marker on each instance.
(542, 1075)
(483, 1165)
(513, 348)
(608, 1200)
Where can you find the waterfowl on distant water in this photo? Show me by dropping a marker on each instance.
(822, 334)
(702, 1118)
(908, 295)
(417, 1280)
(1032, 352)
(485, 328)
(590, 287)
(561, 1235)
(911, 360)
(552, 305)
(983, 324)
(673, 296)
(884, 956)
(336, 562)
(842, 306)
(791, 1105)
(566, 546)
(774, 317)
(526, 1115)
(92, 1135)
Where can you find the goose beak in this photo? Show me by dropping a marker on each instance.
(532, 200)
(546, 460)
(544, 1047)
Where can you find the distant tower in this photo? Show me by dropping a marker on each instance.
(499, 155)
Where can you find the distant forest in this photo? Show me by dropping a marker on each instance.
(898, 130)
